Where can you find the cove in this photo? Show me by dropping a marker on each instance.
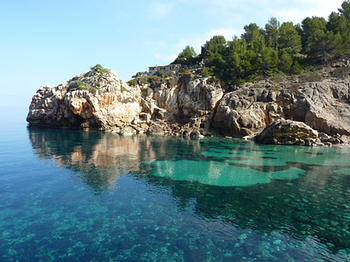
(77, 196)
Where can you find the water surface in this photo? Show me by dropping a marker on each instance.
(87, 196)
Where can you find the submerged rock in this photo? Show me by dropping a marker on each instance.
(288, 132)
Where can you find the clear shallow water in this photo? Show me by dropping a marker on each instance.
(77, 196)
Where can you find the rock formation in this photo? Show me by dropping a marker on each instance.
(194, 106)
(324, 106)
(97, 99)
(288, 132)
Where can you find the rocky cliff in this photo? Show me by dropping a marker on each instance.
(190, 105)
(96, 99)
(324, 106)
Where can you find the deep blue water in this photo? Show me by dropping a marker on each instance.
(87, 196)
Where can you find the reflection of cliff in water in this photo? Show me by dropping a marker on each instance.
(99, 158)
(314, 205)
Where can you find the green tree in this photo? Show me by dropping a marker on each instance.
(285, 47)
(213, 54)
(320, 45)
(254, 37)
(268, 61)
(336, 22)
(285, 62)
(237, 63)
(345, 9)
(289, 39)
(272, 33)
(214, 49)
(340, 23)
(186, 57)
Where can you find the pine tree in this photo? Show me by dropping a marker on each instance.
(186, 57)
(289, 40)
(272, 33)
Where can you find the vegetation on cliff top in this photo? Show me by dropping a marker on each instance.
(91, 81)
(262, 52)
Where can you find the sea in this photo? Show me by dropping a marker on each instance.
(70, 195)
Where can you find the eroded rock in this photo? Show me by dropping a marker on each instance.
(288, 132)
(155, 130)
(193, 107)
(94, 99)
(324, 106)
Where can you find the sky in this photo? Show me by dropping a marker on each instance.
(47, 42)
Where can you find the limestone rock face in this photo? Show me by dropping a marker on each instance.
(288, 132)
(155, 130)
(324, 106)
(198, 97)
(328, 106)
(179, 106)
(183, 105)
(128, 131)
(95, 99)
(188, 97)
(247, 110)
(99, 100)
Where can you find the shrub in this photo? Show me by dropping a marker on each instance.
(184, 71)
(311, 76)
(278, 77)
(132, 82)
(139, 80)
(159, 74)
(205, 72)
(296, 68)
(77, 85)
(154, 81)
(144, 92)
(185, 75)
(99, 69)
(341, 72)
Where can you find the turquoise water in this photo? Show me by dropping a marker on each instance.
(86, 196)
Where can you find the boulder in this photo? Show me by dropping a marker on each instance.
(127, 131)
(195, 134)
(246, 110)
(288, 132)
(155, 130)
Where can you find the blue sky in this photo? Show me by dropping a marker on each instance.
(47, 42)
